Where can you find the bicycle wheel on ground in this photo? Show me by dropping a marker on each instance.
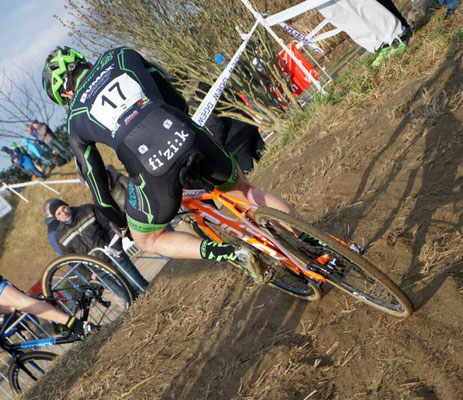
(66, 277)
(342, 267)
(28, 369)
(284, 279)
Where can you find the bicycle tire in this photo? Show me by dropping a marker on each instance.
(35, 362)
(66, 277)
(344, 265)
(284, 280)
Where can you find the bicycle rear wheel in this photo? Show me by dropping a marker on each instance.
(28, 369)
(285, 279)
(340, 266)
(66, 277)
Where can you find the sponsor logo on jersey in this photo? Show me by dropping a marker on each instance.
(115, 129)
(143, 102)
(131, 116)
(167, 123)
(83, 98)
(106, 59)
(132, 195)
(158, 159)
(142, 149)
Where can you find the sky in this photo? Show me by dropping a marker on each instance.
(28, 32)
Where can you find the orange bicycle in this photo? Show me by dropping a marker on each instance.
(300, 257)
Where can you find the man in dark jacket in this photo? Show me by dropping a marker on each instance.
(52, 225)
(82, 228)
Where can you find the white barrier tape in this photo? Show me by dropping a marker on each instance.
(293, 12)
(301, 37)
(213, 95)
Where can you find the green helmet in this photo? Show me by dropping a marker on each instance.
(57, 73)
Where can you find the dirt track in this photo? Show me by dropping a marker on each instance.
(389, 175)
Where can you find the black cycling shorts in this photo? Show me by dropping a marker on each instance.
(153, 201)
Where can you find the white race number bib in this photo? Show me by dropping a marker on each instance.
(115, 98)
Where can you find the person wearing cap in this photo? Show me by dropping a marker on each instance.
(83, 228)
(44, 134)
(52, 225)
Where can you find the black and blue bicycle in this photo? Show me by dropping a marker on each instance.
(26, 366)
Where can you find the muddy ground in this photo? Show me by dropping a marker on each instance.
(388, 174)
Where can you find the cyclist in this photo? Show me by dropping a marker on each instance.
(127, 103)
(13, 299)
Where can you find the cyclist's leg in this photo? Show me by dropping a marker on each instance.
(152, 202)
(222, 170)
(244, 190)
(13, 299)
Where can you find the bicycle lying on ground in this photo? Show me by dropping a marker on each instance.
(299, 256)
(27, 367)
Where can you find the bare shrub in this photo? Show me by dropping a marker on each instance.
(183, 38)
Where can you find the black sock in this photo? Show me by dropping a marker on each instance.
(211, 250)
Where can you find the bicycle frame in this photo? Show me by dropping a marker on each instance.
(13, 348)
(244, 227)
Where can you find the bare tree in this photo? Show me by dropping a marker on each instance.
(183, 37)
(22, 100)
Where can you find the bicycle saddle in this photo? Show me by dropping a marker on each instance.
(190, 175)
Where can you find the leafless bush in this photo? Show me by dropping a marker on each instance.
(183, 37)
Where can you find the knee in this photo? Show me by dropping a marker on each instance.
(146, 241)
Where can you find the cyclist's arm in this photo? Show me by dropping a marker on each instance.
(92, 169)
(54, 243)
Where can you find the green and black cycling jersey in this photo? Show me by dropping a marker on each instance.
(129, 104)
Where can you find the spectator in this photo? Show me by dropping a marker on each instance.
(118, 186)
(57, 160)
(44, 134)
(36, 152)
(369, 24)
(390, 6)
(450, 5)
(23, 161)
(82, 228)
(52, 225)
(241, 139)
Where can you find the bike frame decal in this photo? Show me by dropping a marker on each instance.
(242, 226)
(38, 343)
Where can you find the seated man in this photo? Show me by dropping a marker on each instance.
(13, 299)
(82, 228)
(52, 225)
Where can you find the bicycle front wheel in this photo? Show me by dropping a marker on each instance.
(284, 279)
(28, 369)
(65, 278)
(340, 266)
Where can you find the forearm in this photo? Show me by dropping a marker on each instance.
(13, 299)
